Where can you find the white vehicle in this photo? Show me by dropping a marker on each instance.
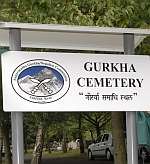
(102, 148)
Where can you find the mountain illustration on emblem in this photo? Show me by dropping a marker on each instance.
(40, 81)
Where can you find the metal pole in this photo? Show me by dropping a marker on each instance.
(132, 149)
(16, 117)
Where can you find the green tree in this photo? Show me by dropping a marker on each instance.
(4, 126)
(98, 120)
(41, 120)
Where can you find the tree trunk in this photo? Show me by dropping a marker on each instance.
(80, 134)
(5, 131)
(1, 145)
(97, 132)
(25, 142)
(118, 138)
(81, 143)
(25, 148)
(92, 137)
(37, 153)
(64, 145)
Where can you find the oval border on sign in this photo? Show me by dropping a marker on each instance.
(40, 99)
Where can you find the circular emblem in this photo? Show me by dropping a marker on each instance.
(40, 81)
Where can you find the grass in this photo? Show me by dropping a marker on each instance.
(60, 154)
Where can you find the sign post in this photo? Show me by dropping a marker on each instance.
(132, 150)
(16, 117)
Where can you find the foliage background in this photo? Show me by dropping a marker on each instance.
(112, 13)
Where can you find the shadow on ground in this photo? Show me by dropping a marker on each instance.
(73, 160)
(70, 160)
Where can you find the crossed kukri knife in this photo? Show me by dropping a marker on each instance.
(40, 83)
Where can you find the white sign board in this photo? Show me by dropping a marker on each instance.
(49, 81)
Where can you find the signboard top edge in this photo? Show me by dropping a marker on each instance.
(74, 28)
(72, 53)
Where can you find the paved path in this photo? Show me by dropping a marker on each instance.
(75, 161)
(71, 161)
